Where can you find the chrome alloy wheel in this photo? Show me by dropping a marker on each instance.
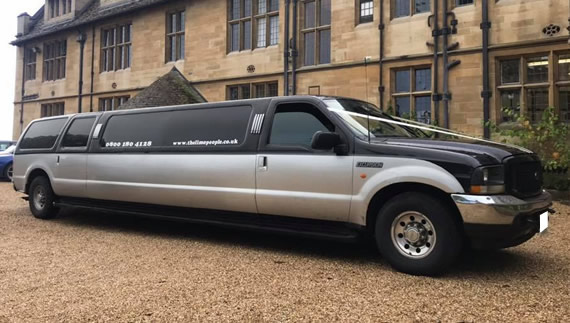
(39, 198)
(413, 234)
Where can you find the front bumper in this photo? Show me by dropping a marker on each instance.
(499, 209)
(500, 221)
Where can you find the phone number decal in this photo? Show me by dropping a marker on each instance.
(128, 144)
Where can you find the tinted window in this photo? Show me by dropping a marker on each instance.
(42, 134)
(296, 125)
(196, 127)
(78, 133)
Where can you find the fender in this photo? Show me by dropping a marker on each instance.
(38, 164)
(394, 170)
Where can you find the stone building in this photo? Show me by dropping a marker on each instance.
(92, 55)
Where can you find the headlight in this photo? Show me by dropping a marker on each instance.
(488, 180)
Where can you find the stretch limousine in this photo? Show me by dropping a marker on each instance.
(320, 166)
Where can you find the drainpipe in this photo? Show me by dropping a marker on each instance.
(81, 40)
(486, 94)
(286, 50)
(435, 32)
(294, 52)
(92, 69)
(23, 90)
(380, 60)
(445, 31)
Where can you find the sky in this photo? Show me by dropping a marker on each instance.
(8, 25)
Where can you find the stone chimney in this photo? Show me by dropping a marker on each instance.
(23, 24)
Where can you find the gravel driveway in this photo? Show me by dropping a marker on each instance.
(87, 266)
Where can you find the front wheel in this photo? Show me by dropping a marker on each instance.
(418, 234)
(41, 199)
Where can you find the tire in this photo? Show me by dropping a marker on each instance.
(8, 171)
(41, 198)
(418, 234)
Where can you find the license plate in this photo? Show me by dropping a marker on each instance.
(543, 222)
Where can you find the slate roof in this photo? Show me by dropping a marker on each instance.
(171, 89)
(92, 12)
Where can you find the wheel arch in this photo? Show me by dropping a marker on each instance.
(34, 174)
(385, 194)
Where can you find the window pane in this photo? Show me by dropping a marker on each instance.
(510, 71)
(325, 12)
(463, 2)
(181, 46)
(78, 133)
(42, 134)
(245, 91)
(260, 90)
(235, 37)
(422, 6)
(325, 46)
(234, 93)
(403, 81)
(247, 9)
(310, 14)
(272, 89)
(172, 25)
(274, 30)
(236, 9)
(310, 48)
(402, 8)
(172, 48)
(261, 32)
(261, 6)
(247, 34)
(423, 79)
(403, 107)
(564, 68)
(537, 102)
(537, 69)
(273, 5)
(295, 128)
(423, 108)
(366, 11)
(565, 104)
(510, 101)
(179, 127)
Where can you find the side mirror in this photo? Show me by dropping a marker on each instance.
(325, 140)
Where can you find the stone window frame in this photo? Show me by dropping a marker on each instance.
(178, 34)
(55, 57)
(252, 90)
(52, 109)
(253, 18)
(317, 29)
(30, 64)
(360, 19)
(412, 94)
(412, 12)
(552, 85)
(112, 103)
(116, 47)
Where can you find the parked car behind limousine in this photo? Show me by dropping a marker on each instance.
(6, 161)
(318, 166)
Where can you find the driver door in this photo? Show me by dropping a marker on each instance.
(292, 178)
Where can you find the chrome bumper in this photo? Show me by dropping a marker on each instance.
(498, 209)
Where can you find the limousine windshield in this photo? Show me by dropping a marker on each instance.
(364, 119)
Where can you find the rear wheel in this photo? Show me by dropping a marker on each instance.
(418, 234)
(41, 199)
(9, 171)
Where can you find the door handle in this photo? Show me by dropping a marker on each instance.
(262, 163)
(57, 159)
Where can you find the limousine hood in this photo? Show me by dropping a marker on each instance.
(481, 150)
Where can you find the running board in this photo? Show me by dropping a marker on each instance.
(265, 223)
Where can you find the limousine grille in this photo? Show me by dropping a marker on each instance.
(523, 177)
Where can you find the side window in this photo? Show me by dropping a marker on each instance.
(212, 127)
(42, 134)
(78, 133)
(295, 125)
